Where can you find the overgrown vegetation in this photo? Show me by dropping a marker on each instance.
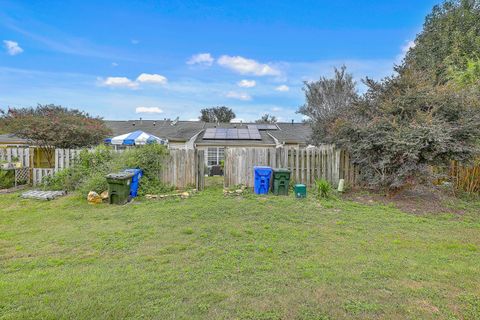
(427, 114)
(7, 179)
(323, 188)
(89, 171)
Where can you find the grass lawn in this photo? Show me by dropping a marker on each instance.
(250, 257)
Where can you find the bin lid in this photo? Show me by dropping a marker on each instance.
(135, 171)
(281, 170)
(262, 170)
(120, 175)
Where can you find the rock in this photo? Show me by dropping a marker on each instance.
(104, 195)
(184, 195)
(94, 198)
(239, 191)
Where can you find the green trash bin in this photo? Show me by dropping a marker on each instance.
(300, 191)
(119, 187)
(281, 181)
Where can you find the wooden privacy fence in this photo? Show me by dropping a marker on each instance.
(184, 168)
(10, 154)
(306, 164)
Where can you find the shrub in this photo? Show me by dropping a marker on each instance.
(7, 179)
(91, 167)
(68, 179)
(95, 182)
(323, 188)
(149, 158)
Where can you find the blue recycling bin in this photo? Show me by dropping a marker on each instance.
(137, 174)
(262, 179)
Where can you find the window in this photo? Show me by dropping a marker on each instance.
(215, 155)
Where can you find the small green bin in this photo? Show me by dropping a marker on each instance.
(119, 187)
(281, 181)
(300, 191)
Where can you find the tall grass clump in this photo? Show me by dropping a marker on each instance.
(323, 188)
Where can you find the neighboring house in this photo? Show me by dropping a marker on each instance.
(211, 137)
(215, 137)
(9, 140)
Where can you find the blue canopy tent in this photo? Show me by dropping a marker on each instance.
(135, 138)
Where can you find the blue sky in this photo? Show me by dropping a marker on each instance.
(163, 59)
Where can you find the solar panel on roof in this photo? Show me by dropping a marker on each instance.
(263, 126)
(209, 134)
(231, 134)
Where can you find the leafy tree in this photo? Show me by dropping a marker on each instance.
(267, 118)
(51, 126)
(450, 38)
(217, 114)
(402, 126)
(470, 76)
(326, 100)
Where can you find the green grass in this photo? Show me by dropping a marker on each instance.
(210, 257)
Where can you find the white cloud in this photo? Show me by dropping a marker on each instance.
(193, 119)
(148, 110)
(114, 64)
(247, 83)
(238, 95)
(151, 78)
(282, 88)
(405, 48)
(205, 59)
(237, 120)
(276, 109)
(118, 82)
(12, 47)
(247, 66)
(135, 41)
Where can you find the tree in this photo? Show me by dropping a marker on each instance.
(449, 39)
(326, 100)
(217, 114)
(426, 114)
(51, 126)
(267, 118)
(402, 126)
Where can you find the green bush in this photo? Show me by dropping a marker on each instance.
(7, 179)
(323, 187)
(95, 182)
(91, 167)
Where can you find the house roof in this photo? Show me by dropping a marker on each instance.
(173, 131)
(11, 139)
(182, 131)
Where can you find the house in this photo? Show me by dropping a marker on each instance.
(215, 137)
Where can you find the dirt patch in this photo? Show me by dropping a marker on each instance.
(419, 200)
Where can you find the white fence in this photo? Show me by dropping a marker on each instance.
(38, 174)
(10, 154)
(65, 157)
